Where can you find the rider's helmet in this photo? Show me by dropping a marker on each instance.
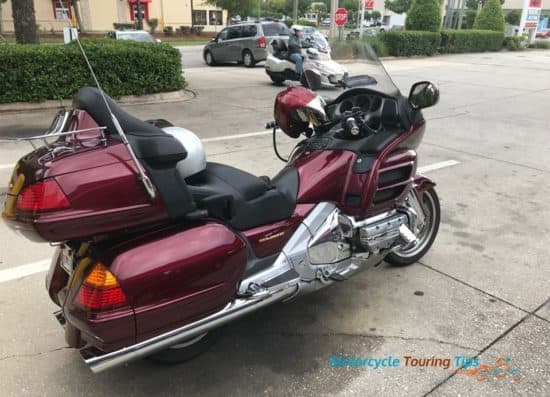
(296, 28)
(296, 108)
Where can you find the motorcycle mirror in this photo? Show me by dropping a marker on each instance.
(214, 39)
(423, 95)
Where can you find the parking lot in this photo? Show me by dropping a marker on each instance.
(481, 292)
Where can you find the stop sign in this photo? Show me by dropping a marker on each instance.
(341, 16)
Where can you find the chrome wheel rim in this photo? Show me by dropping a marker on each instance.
(208, 58)
(247, 59)
(427, 230)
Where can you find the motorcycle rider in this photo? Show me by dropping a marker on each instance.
(295, 48)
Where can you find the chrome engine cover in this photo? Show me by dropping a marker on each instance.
(382, 234)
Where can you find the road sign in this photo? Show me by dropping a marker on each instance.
(369, 4)
(340, 16)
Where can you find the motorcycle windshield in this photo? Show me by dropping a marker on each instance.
(354, 64)
(315, 39)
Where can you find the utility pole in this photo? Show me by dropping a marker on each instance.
(295, 11)
(333, 7)
(362, 18)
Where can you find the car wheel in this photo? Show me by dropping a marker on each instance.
(248, 59)
(209, 58)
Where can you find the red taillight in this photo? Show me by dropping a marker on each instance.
(261, 41)
(100, 290)
(41, 196)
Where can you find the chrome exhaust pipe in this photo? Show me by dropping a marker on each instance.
(239, 307)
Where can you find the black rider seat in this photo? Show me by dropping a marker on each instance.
(242, 199)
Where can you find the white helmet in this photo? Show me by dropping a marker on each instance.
(297, 28)
(195, 161)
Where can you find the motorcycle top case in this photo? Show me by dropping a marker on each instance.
(89, 190)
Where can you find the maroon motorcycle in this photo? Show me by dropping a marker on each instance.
(157, 248)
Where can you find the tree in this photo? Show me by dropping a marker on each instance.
(375, 15)
(24, 21)
(513, 17)
(319, 9)
(490, 17)
(236, 7)
(1, 26)
(153, 24)
(76, 9)
(424, 15)
(397, 6)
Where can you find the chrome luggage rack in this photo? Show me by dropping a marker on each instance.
(57, 129)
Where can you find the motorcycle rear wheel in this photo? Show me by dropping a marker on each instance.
(187, 350)
(426, 236)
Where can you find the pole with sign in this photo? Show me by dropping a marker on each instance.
(340, 18)
(530, 17)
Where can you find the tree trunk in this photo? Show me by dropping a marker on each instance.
(24, 21)
(1, 25)
(76, 9)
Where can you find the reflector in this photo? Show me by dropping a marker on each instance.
(100, 290)
(41, 196)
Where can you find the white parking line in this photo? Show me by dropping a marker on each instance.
(15, 273)
(23, 271)
(437, 166)
(238, 136)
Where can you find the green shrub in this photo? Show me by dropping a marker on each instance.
(347, 49)
(197, 30)
(514, 43)
(409, 43)
(32, 73)
(544, 44)
(168, 30)
(123, 26)
(153, 25)
(490, 17)
(424, 15)
(303, 22)
(513, 17)
(458, 41)
(185, 29)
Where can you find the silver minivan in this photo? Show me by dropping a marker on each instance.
(244, 43)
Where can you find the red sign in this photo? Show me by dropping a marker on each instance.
(369, 4)
(341, 16)
(535, 3)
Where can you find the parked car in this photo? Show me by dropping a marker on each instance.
(325, 21)
(365, 32)
(543, 33)
(244, 43)
(132, 35)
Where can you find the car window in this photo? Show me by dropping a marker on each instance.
(249, 30)
(222, 35)
(234, 33)
(275, 29)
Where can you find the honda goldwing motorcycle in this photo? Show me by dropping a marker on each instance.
(157, 247)
(319, 70)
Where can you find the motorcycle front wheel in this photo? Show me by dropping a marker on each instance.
(426, 235)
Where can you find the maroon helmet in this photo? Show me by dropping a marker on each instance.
(296, 108)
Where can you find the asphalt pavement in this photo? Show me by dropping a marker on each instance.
(481, 293)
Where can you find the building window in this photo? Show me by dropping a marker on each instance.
(215, 18)
(134, 10)
(199, 17)
(62, 9)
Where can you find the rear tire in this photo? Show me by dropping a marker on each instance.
(187, 350)
(209, 59)
(426, 236)
(248, 59)
(277, 80)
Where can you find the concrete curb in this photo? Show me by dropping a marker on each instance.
(162, 97)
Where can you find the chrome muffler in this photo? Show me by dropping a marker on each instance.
(239, 307)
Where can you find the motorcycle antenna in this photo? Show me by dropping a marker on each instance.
(144, 179)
